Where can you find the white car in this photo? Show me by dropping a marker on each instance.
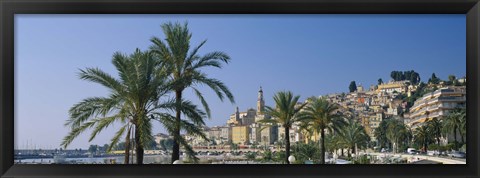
(411, 151)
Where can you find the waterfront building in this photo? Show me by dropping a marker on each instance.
(255, 134)
(294, 135)
(226, 134)
(240, 135)
(436, 104)
(269, 134)
(214, 134)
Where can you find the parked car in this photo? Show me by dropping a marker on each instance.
(412, 151)
(457, 154)
(385, 150)
(433, 152)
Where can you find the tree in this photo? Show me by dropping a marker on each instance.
(134, 96)
(166, 144)
(423, 136)
(321, 115)
(396, 131)
(267, 155)
(353, 133)
(380, 134)
(394, 75)
(352, 87)
(120, 146)
(451, 124)
(234, 146)
(434, 79)
(152, 145)
(251, 155)
(435, 127)
(462, 114)
(306, 151)
(184, 65)
(411, 75)
(284, 114)
(452, 79)
(380, 81)
(92, 149)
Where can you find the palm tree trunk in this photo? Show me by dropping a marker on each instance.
(287, 144)
(176, 135)
(438, 141)
(132, 144)
(461, 136)
(455, 137)
(138, 146)
(322, 146)
(425, 145)
(127, 147)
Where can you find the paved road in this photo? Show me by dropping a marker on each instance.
(444, 160)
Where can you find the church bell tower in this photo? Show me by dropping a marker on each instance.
(260, 102)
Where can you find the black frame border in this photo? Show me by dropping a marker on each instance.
(8, 8)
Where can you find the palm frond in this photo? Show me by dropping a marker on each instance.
(98, 76)
(203, 101)
(75, 132)
(116, 137)
(102, 123)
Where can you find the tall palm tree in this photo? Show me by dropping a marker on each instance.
(284, 114)
(396, 131)
(353, 133)
(462, 114)
(380, 134)
(321, 115)
(184, 66)
(435, 127)
(133, 96)
(451, 124)
(423, 136)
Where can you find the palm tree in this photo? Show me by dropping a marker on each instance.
(284, 114)
(435, 127)
(321, 115)
(184, 68)
(451, 124)
(462, 114)
(353, 133)
(396, 131)
(380, 134)
(306, 151)
(333, 142)
(423, 136)
(133, 97)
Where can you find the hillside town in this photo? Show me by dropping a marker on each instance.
(370, 107)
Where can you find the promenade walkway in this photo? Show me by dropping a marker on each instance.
(443, 160)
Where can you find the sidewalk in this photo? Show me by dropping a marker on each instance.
(423, 157)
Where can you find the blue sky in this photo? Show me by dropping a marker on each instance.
(309, 55)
